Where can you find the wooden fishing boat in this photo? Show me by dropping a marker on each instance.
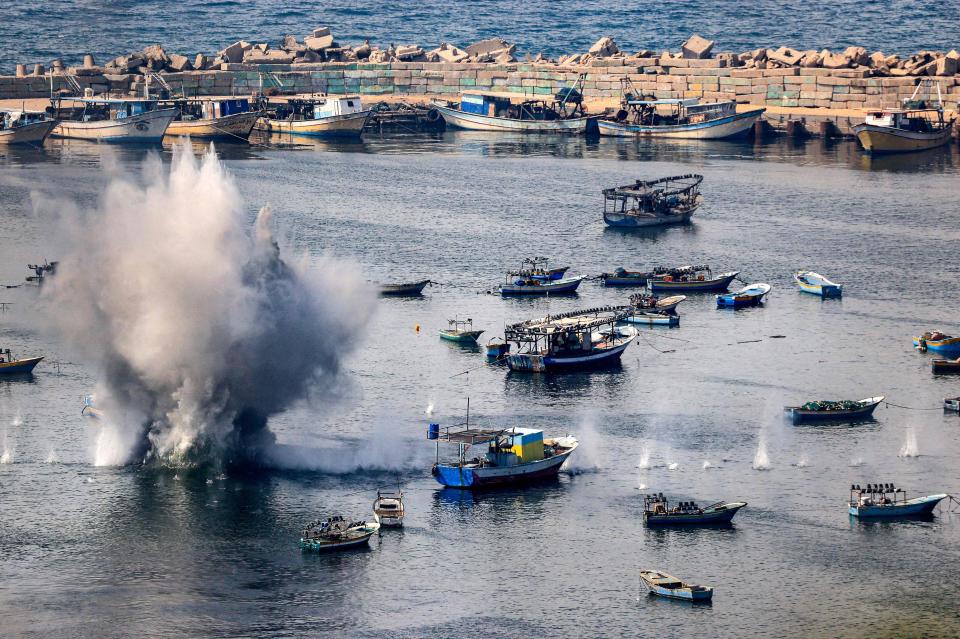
(511, 112)
(664, 585)
(224, 119)
(388, 508)
(623, 277)
(497, 349)
(112, 120)
(750, 295)
(513, 456)
(537, 286)
(25, 127)
(9, 365)
(652, 318)
(945, 366)
(336, 533)
(691, 279)
(916, 127)
(828, 410)
(951, 403)
(581, 339)
(41, 272)
(886, 500)
(460, 331)
(656, 304)
(669, 200)
(406, 289)
(538, 268)
(816, 284)
(687, 118)
(318, 117)
(937, 341)
(657, 512)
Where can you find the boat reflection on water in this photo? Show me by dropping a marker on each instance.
(294, 142)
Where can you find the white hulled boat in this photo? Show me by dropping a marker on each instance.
(112, 120)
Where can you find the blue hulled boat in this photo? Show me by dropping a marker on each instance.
(937, 341)
(816, 284)
(751, 295)
(643, 204)
(657, 512)
(11, 366)
(690, 279)
(886, 500)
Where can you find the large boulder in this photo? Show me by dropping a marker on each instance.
(234, 53)
(944, 66)
(320, 39)
(697, 48)
(856, 56)
(830, 60)
(256, 56)
(489, 49)
(407, 52)
(604, 47)
(179, 63)
(450, 53)
(786, 56)
(200, 62)
(155, 56)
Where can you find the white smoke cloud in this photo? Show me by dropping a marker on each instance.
(196, 327)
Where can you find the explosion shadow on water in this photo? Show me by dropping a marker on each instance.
(197, 328)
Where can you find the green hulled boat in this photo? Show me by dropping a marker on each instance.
(460, 331)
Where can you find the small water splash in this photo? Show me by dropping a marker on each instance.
(856, 462)
(761, 460)
(909, 448)
(429, 410)
(673, 466)
(802, 462)
(644, 457)
(7, 456)
(707, 465)
(90, 480)
(52, 457)
(642, 487)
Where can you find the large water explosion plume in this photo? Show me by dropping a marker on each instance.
(196, 327)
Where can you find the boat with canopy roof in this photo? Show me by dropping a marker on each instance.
(669, 200)
(917, 126)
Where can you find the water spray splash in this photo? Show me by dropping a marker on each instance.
(673, 466)
(909, 448)
(802, 462)
(198, 329)
(761, 460)
(856, 462)
(707, 465)
(52, 457)
(644, 457)
(429, 410)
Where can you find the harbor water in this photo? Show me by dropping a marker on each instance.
(695, 412)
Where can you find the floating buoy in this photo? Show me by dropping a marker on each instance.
(416, 327)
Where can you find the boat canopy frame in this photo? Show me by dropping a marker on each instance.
(663, 195)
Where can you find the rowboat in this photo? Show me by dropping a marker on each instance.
(408, 289)
(691, 278)
(654, 303)
(676, 118)
(915, 127)
(827, 410)
(945, 366)
(886, 500)
(24, 127)
(664, 585)
(574, 340)
(951, 403)
(336, 533)
(388, 508)
(460, 331)
(751, 295)
(938, 342)
(513, 456)
(514, 113)
(213, 119)
(816, 284)
(657, 512)
(670, 200)
(318, 117)
(112, 120)
(535, 286)
(652, 318)
(11, 366)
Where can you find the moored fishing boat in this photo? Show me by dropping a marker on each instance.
(497, 349)
(750, 295)
(951, 403)
(224, 119)
(916, 126)
(511, 112)
(945, 366)
(581, 339)
(539, 268)
(670, 200)
(690, 279)
(816, 284)
(657, 512)
(676, 118)
(404, 289)
(336, 533)
(513, 456)
(829, 410)
(320, 117)
(460, 331)
(25, 127)
(623, 277)
(652, 318)
(112, 120)
(9, 365)
(538, 286)
(388, 508)
(886, 500)
(937, 341)
(657, 304)
(665, 585)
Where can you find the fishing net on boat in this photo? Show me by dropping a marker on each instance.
(845, 404)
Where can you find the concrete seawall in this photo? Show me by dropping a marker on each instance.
(811, 95)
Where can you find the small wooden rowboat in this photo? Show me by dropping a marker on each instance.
(751, 295)
(460, 331)
(405, 289)
(830, 411)
(816, 284)
(652, 318)
(945, 366)
(664, 585)
(938, 342)
(336, 533)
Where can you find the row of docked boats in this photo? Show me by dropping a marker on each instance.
(147, 120)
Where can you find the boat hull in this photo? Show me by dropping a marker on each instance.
(403, 290)
(726, 127)
(882, 139)
(622, 221)
(228, 127)
(917, 507)
(626, 280)
(530, 363)
(476, 122)
(348, 125)
(20, 366)
(547, 287)
(720, 515)
(945, 367)
(801, 415)
(142, 128)
(34, 133)
(308, 544)
(721, 283)
(487, 477)
(467, 337)
(950, 345)
(653, 319)
(824, 290)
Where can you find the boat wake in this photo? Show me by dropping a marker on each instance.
(199, 331)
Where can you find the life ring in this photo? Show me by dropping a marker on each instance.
(433, 115)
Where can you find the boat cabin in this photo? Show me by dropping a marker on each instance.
(15, 119)
(98, 110)
(576, 332)
(207, 109)
(316, 108)
(567, 103)
(649, 111)
(921, 120)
